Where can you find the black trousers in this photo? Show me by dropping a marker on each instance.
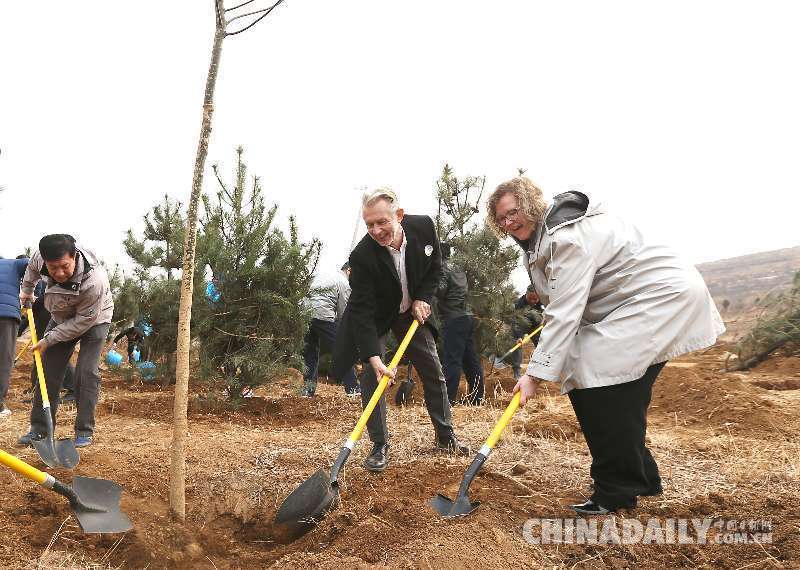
(614, 423)
(422, 353)
(458, 347)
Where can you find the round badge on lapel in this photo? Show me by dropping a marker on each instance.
(428, 250)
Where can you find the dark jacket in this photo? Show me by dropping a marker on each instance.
(11, 272)
(134, 334)
(376, 294)
(451, 296)
(525, 318)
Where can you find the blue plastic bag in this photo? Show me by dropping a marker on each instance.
(113, 358)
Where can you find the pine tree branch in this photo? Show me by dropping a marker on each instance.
(216, 173)
(254, 337)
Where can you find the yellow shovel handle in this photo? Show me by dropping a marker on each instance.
(526, 338)
(38, 358)
(24, 350)
(22, 468)
(355, 435)
(504, 419)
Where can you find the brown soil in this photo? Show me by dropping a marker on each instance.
(725, 444)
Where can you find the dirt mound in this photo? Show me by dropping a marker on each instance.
(283, 411)
(780, 365)
(683, 396)
(779, 384)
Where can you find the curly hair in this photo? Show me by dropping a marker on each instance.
(532, 204)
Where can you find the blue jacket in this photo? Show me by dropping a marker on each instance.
(11, 272)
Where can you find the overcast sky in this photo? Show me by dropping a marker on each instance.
(682, 116)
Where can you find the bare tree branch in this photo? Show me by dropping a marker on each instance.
(247, 14)
(264, 15)
(240, 5)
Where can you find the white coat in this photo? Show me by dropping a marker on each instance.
(614, 304)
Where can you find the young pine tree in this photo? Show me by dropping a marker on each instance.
(485, 260)
(254, 328)
(151, 293)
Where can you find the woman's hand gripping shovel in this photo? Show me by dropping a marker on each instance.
(318, 494)
(94, 502)
(462, 506)
(61, 453)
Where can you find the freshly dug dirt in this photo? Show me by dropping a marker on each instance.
(725, 443)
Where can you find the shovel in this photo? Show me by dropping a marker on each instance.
(61, 453)
(524, 340)
(462, 506)
(307, 504)
(499, 362)
(23, 351)
(94, 502)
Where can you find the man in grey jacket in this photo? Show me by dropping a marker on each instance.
(78, 296)
(327, 301)
(617, 308)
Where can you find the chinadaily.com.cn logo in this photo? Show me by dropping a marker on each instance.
(616, 530)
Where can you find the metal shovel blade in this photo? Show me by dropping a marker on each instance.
(448, 509)
(499, 363)
(97, 506)
(403, 394)
(304, 507)
(60, 453)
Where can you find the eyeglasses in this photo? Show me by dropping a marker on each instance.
(510, 215)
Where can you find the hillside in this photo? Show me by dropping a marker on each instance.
(745, 279)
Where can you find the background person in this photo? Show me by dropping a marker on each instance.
(525, 319)
(616, 309)
(458, 333)
(135, 337)
(11, 272)
(327, 302)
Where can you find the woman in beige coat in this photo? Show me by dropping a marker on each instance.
(616, 310)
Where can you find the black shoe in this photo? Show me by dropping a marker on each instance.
(28, 439)
(591, 508)
(451, 444)
(377, 460)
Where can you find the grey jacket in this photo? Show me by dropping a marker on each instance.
(614, 304)
(77, 305)
(451, 296)
(328, 297)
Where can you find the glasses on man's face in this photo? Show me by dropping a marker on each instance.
(510, 215)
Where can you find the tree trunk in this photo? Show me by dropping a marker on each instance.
(177, 473)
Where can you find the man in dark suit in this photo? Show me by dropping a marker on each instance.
(395, 270)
